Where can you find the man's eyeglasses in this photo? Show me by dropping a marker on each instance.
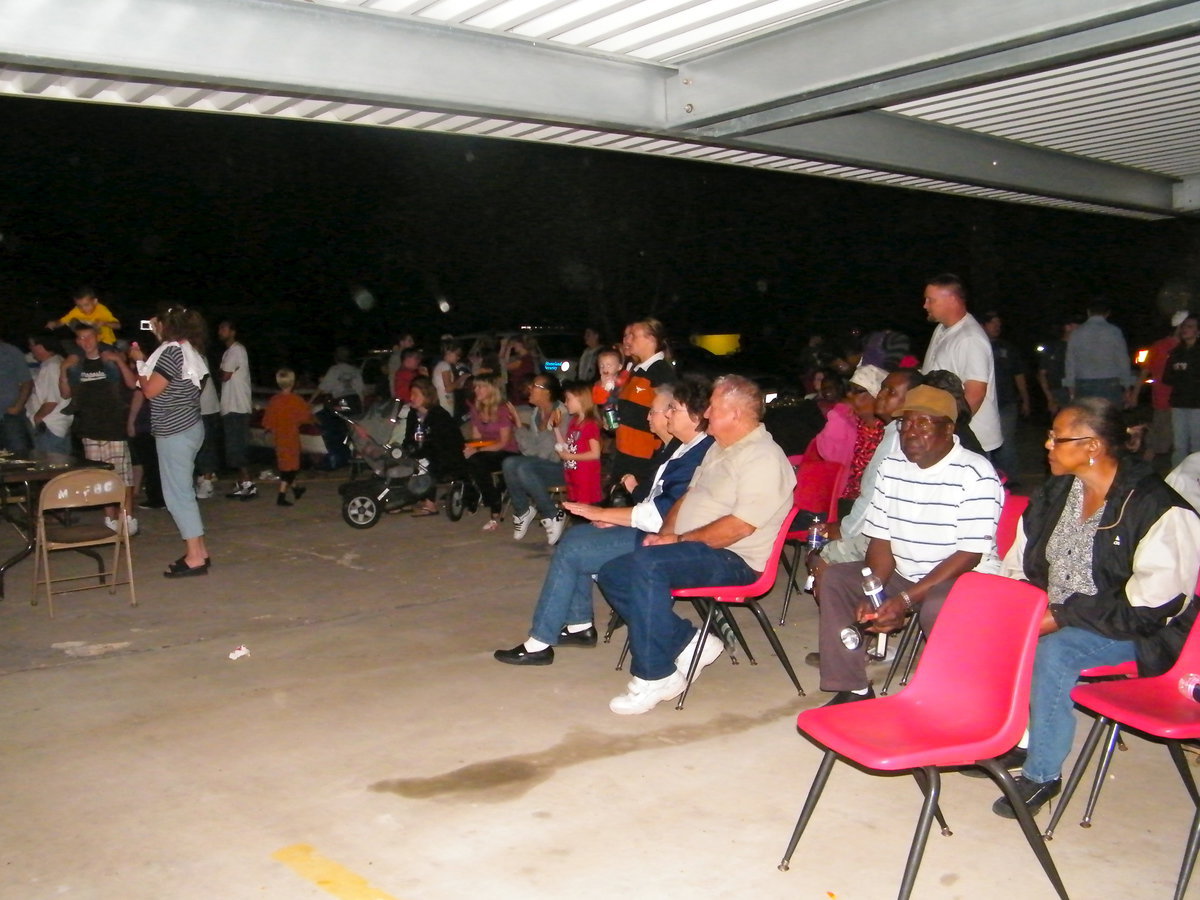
(1051, 439)
(921, 426)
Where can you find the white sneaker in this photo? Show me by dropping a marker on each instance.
(522, 522)
(249, 490)
(554, 528)
(204, 488)
(713, 647)
(644, 695)
(131, 524)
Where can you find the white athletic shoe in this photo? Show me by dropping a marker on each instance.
(554, 528)
(204, 488)
(522, 522)
(644, 695)
(713, 647)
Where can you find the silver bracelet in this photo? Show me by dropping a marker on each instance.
(908, 603)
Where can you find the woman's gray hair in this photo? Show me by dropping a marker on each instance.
(747, 394)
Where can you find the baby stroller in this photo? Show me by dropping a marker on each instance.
(395, 479)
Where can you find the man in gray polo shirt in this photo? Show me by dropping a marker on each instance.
(721, 531)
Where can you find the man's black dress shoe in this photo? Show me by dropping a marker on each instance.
(1012, 760)
(850, 697)
(586, 638)
(1036, 794)
(519, 656)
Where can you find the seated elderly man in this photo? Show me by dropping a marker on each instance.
(933, 516)
(720, 532)
(563, 616)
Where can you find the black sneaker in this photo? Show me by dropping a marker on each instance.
(1036, 794)
(850, 697)
(1013, 760)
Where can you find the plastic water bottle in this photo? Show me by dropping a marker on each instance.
(419, 434)
(1189, 686)
(852, 635)
(818, 537)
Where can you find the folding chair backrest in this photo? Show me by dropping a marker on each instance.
(818, 485)
(1010, 514)
(83, 487)
(976, 677)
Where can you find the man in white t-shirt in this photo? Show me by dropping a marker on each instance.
(960, 345)
(235, 409)
(51, 426)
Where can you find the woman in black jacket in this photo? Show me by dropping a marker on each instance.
(1117, 551)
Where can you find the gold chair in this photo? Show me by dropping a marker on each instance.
(76, 490)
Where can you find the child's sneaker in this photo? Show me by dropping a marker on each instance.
(204, 488)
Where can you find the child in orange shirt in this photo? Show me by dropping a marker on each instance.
(608, 385)
(284, 415)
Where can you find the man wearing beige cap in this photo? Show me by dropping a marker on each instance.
(933, 516)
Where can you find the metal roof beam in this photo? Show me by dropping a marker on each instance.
(895, 143)
(281, 46)
(875, 54)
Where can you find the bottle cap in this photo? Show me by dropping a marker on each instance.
(866, 572)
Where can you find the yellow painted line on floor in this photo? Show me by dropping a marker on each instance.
(327, 875)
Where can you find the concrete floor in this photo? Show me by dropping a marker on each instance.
(369, 746)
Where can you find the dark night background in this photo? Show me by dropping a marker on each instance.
(276, 224)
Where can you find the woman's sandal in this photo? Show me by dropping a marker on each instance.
(491, 524)
(422, 511)
(180, 569)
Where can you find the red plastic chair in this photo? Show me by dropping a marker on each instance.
(745, 595)
(1112, 738)
(912, 638)
(819, 484)
(1153, 706)
(967, 703)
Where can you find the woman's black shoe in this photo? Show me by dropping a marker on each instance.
(1036, 794)
(519, 656)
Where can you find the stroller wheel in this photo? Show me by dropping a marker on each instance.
(456, 501)
(361, 511)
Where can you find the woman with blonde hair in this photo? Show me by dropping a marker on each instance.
(493, 424)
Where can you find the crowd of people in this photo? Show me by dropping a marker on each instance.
(675, 480)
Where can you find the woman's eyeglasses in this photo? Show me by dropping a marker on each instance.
(1051, 439)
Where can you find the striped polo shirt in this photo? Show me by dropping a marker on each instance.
(928, 514)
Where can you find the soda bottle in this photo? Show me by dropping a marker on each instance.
(609, 414)
(872, 587)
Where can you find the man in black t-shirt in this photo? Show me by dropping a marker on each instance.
(98, 383)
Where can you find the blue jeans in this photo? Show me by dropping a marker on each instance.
(1004, 457)
(566, 597)
(638, 585)
(529, 480)
(1061, 656)
(1185, 426)
(1111, 389)
(15, 434)
(176, 457)
(46, 441)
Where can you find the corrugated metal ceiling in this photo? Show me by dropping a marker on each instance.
(1139, 108)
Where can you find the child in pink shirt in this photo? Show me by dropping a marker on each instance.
(580, 451)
